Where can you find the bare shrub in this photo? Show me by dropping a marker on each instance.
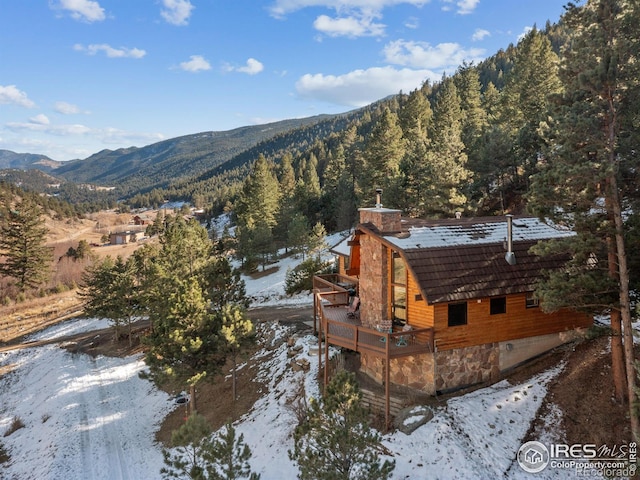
(16, 424)
(4, 455)
(297, 402)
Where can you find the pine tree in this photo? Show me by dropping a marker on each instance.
(256, 212)
(590, 153)
(335, 441)
(298, 234)
(416, 118)
(110, 291)
(228, 457)
(384, 150)
(317, 243)
(178, 286)
(22, 242)
(446, 160)
(236, 330)
(191, 442)
(260, 196)
(287, 208)
(334, 199)
(467, 81)
(199, 455)
(531, 84)
(222, 284)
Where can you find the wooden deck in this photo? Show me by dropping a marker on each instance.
(343, 331)
(331, 294)
(331, 307)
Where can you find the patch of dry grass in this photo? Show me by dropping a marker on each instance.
(21, 319)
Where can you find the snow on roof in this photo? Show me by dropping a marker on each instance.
(342, 247)
(476, 233)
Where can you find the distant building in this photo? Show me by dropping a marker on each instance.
(122, 238)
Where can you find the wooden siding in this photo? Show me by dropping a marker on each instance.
(354, 263)
(518, 322)
(419, 314)
(342, 269)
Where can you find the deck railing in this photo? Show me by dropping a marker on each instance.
(340, 327)
(331, 301)
(382, 344)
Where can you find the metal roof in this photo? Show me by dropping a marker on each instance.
(461, 259)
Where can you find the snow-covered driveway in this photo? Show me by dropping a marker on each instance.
(85, 418)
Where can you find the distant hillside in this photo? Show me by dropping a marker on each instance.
(160, 163)
(25, 161)
(31, 179)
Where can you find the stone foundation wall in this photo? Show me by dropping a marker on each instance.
(466, 366)
(414, 372)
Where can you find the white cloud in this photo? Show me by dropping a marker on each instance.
(355, 18)
(197, 63)
(9, 94)
(361, 87)
(83, 10)
(351, 26)
(252, 67)
(480, 34)
(40, 119)
(109, 51)
(67, 108)
(107, 135)
(61, 130)
(116, 136)
(465, 7)
(282, 7)
(524, 33)
(423, 55)
(412, 23)
(176, 12)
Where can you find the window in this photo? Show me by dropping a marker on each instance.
(399, 304)
(498, 305)
(532, 301)
(398, 289)
(457, 314)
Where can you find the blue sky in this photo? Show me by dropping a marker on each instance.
(79, 76)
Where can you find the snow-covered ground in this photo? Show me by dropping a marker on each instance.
(89, 418)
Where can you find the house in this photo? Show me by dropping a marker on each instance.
(122, 238)
(444, 304)
(138, 220)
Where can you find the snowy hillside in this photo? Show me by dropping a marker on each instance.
(87, 418)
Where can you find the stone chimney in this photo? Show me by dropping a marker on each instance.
(386, 220)
(374, 260)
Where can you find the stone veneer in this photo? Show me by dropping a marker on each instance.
(386, 220)
(374, 282)
(466, 366)
(415, 372)
(454, 369)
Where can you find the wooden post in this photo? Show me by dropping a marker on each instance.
(315, 312)
(387, 394)
(318, 332)
(325, 324)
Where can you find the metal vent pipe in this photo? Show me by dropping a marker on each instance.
(510, 257)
